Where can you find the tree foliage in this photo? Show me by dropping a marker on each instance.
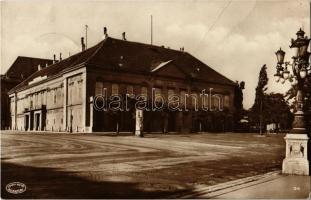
(238, 103)
(277, 110)
(255, 111)
(271, 108)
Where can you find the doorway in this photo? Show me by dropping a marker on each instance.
(37, 121)
(27, 122)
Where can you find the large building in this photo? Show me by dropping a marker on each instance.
(21, 69)
(61, 96)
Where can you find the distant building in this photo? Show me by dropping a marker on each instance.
(60, 97)
(21, 69)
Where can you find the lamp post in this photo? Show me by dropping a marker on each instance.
(296, 161)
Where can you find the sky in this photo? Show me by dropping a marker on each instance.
(234, 37)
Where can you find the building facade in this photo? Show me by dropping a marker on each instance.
(63, 96)
(21, 69)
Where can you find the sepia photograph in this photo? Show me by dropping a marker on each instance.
(155, 99)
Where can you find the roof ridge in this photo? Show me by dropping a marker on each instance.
(100, 47)
(33, 58)
(148, 45)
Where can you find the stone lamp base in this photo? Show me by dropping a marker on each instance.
(296, 161)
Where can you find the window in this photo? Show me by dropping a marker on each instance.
(114, 89)
(129, 90)
(170, 92)
(194, 100)
(204, 100)
(216, 101)
(182, 97)
(226, 101)
(144, 91)
(54, 98)
(98, 88)
(157, 94)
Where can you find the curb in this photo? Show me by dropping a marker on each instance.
(204, 191)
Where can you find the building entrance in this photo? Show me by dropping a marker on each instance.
(37, 121)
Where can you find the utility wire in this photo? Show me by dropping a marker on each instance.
(214, 23)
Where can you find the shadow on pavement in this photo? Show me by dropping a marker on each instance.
(49, 183)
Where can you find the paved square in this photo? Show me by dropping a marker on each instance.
(156, 166)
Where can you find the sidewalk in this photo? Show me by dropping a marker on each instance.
(272, 185)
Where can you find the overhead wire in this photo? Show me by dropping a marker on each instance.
(214, 23)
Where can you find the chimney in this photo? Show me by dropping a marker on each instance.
(105, 33)
(60, 56)
(54, 58)
(82, 44)
(123, 36)
(39, 67)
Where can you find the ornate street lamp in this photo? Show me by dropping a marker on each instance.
(296, 161)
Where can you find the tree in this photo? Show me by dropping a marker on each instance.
(256, 114)
(238, 103)
(277, 111)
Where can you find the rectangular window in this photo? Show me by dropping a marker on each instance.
(157, 94)
(130, 90)
(54, 98)
(194, 100)
(170, 92)
(98, 88)
(114, 89)
(216, 101)
(226, 101)
(182, 97)
(144, 91)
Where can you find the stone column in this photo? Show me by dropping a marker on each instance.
(139, 123)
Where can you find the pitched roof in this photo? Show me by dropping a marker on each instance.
(138, 57)
(24, 66)
(133, 57)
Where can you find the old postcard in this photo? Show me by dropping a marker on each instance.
(133, 99)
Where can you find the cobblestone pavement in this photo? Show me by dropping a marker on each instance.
(156, 166)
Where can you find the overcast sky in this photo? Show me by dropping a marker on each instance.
(234, 37)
